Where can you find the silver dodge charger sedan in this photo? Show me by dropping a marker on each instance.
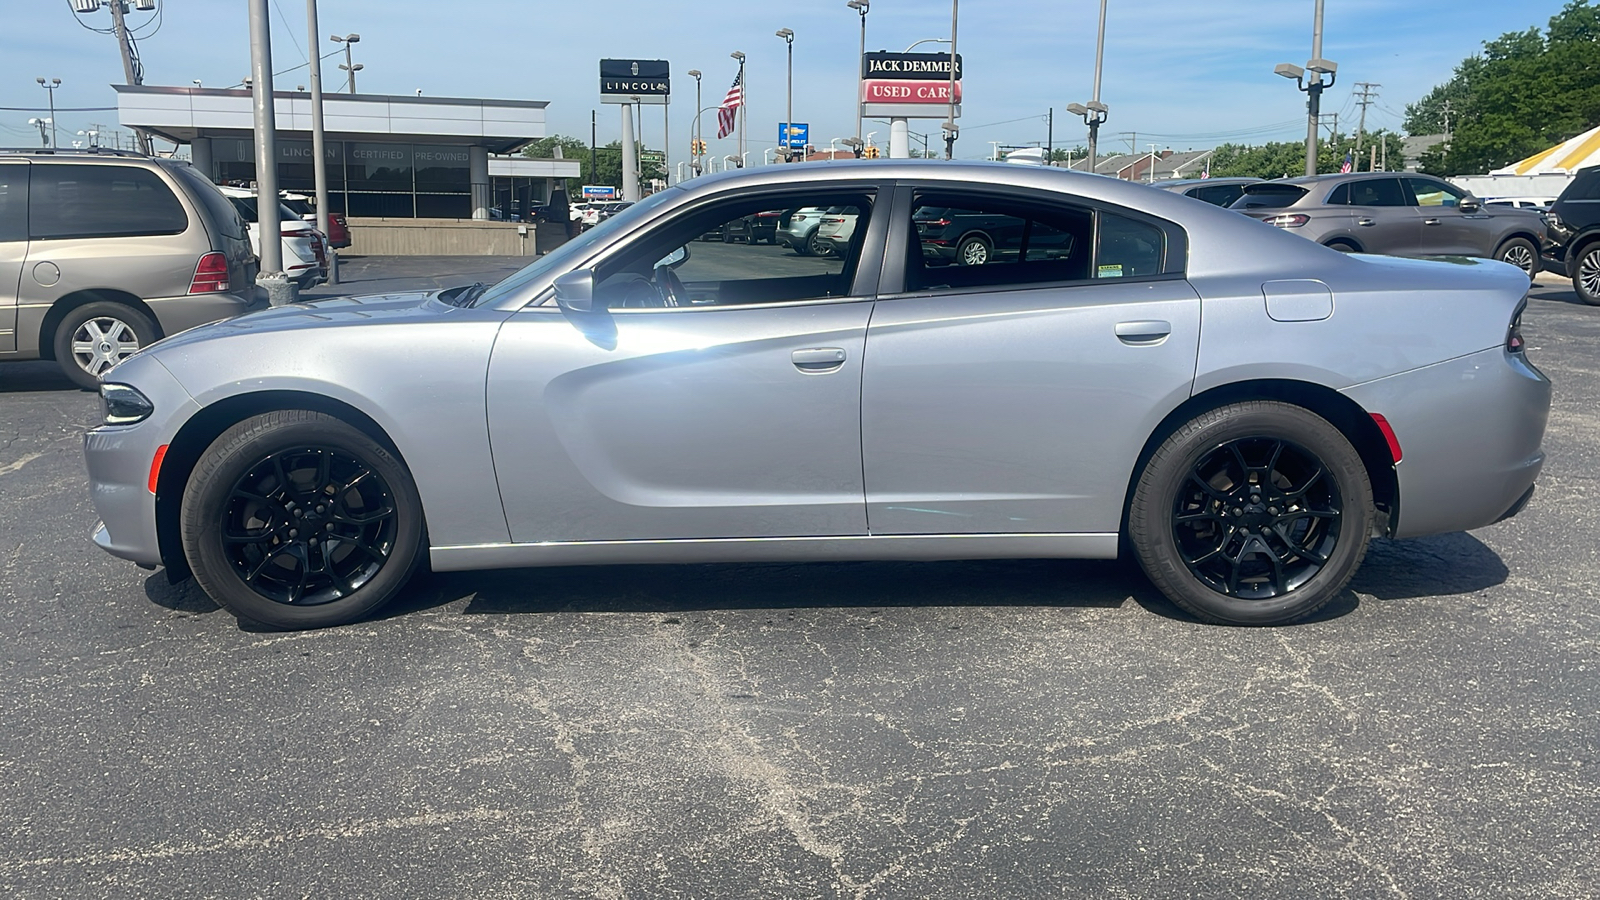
(1243, 410)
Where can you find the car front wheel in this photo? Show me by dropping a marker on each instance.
(1256, 513)
(296, 519)
(1586, 274)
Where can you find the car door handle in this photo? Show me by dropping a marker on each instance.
(1430, 221)
(1148, 331)
(818, 359)
(1366, 221)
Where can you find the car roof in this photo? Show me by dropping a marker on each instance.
(1220, 179)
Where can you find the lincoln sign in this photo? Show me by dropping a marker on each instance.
(908, 85)
(635, 81)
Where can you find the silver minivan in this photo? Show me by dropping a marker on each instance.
(103, 252)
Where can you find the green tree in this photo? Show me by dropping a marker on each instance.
(607, 167)
(1527, 91)
(1288, 159)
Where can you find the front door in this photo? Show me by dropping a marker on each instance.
(1446, 229)
(1014, 397)
(713, 397)
(13, 246)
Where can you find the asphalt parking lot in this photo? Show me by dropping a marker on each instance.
(960, 730)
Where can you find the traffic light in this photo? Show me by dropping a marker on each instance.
(697, 146)
(872, 153)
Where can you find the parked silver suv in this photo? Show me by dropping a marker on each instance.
(103, 252)
(1398, 214)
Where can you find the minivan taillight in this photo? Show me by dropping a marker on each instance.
(210, 274)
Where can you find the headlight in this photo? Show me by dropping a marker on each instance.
(124, 405)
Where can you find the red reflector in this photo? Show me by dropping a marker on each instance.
(1388, 435)
(155, 466)
(210, 274)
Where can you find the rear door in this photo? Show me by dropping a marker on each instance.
(13, 245)
(1383, 219)
(1014, 397)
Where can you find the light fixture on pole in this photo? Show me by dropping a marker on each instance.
(50, 86)
(861, 6)
(744, 103)
(694, 142)
(1313, 88)
(348, 65)
(44, 136)
(1095, 113)
(788, 120)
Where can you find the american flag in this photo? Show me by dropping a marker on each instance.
(1349, 161)
(730, 107)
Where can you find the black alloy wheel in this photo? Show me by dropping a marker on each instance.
(309, 525)
(1258, 517)
(296, 519)
(1254, 513)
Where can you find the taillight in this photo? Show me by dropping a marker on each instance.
(832, 221)
(938, 223)
(210, 274)
(1287, 220)
(1514, 342)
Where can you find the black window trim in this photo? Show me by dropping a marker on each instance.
(891, 286)
(868, 266)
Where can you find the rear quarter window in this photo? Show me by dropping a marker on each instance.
(83, 201)
(207, 197)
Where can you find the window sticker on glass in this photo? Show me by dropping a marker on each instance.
(1111, 271)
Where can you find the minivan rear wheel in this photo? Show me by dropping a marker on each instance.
(96, 336)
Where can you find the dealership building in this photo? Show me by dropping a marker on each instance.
(388, 157)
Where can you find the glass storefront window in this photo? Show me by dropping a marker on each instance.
(378, 167)
(442, 170)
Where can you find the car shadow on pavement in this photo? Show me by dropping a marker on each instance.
(34, 377)
(1394, 570)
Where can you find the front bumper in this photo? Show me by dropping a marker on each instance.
(119, 459)
(1470, 431)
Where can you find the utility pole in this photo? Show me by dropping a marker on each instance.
(1366, 94)
(319, 166)
(280, 290)
(1050, 137)
(594, 171)
(1447, 122)
(131, 69)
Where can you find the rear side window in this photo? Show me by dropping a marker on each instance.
(967, 241)
(83, 201)
(1587, 187)
(13, 202)
(1218, 194)
(1339, 196)
(212, 201)
(1377, 192)
(1127, 248)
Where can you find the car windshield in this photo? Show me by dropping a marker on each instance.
(565, 255)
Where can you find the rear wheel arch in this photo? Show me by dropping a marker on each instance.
(1342, 242)
(1581, 244)
(205, 426)
(1340, 411)
(66, 304)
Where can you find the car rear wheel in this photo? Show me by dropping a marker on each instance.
(1520, 252)
(1343, 247)
(1256, 513)
(974, 251)
(816, 246)
(1586, 273)
(295, 519)
(96, 336)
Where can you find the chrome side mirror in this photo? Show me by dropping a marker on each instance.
(575, 291)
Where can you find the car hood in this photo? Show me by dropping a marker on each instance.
(335, 312)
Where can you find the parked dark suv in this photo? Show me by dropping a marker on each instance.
(971, 237)
(103, 252)
(1574, 222)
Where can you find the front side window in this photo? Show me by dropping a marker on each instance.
(1435, 193)
(730, 254)
(73, 201)
(1377, 192)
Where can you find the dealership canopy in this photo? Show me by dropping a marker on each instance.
(1564, 158)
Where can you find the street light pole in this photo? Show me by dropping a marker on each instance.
(50, 87)
(861, 6)
(1313, 88)
(743, 110)
(694, 140)
(788, 121)
(349, 64)
(319, 166)
(951, 131)
(280, 290)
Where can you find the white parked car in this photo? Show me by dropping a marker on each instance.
(836, 230)
(305, 258)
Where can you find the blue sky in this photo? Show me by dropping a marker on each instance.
(1180, 73)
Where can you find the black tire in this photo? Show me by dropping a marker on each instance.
(1232, 555)
(1342, 246)
(817, 246)
(1520, 252)
(275, 475)
(1585, 267)
(803, 248)
(973, 251)
(95, 336)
